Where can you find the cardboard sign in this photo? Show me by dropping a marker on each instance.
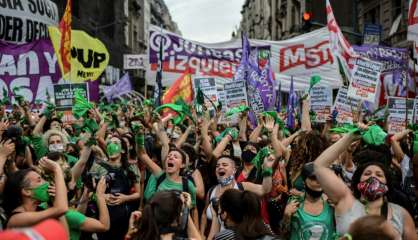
(235, 95)
(321, 102)
(64, 94)
(135, 61)
(345, 106)
(365, 80)
(399, 110)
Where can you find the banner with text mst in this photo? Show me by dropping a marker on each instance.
(301, 57)
(397, 113)
(64, 94)
(345, 106)
(34, 68)
(365, 80)
(321, 102)
(23, 21)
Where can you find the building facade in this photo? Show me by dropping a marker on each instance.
(282, 19)
(385, 13)
(122, 26)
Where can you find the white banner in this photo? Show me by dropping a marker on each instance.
(321, 102)
(397, 113)
(301, 57)
(24, 21)
(135, 61)
(365, 80)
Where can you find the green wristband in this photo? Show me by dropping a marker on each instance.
(140, 140)
(267, 172)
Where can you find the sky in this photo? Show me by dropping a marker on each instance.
(206, 21)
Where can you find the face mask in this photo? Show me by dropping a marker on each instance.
(313, 193)
(40, 193)
(122, 124)
(372, 188)
(247, 156)
(58, 147)
(226, 181)
(113, 149)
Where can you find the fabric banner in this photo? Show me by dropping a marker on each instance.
(301, 57)
(413, 25)
(345, 106)
(122, 86)
(365, 80)
(33, 67)
(321, 102)
(399, 110)
(25, 21)
(89, 56)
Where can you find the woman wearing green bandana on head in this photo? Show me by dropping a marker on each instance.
(25, 190)
(123, 191)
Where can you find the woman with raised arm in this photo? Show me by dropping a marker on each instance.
(370, 183)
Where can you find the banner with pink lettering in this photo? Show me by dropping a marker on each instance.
(33, 69)
(300, 57)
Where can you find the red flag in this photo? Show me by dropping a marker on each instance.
(182, 88)
(65, 48)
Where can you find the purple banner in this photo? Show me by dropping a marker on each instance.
(33, 67)
(180, 54)
(394, 59)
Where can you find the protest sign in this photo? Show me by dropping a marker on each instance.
(365, 80)
(416, 110)
(399, 110)
(208, 87)
(394, 70)
(372, 33)
(134, 61)
(64, 94)
(345, 106)
(89, 56)
(300, 57)
(34, 69)
(24, 21)
(235, 96)
(321, 102)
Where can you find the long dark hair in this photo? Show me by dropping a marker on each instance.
(243, 207)
(359, 171)
(13, 188)
(161, 212)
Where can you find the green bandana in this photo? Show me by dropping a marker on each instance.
(113, 149)
(148, 102)
(374, 135)
(19, 98)
(81, 105)
(315, 79)
(259, 158)
(40, 193)
(415, 143)
(236, 110)
(229, 131)
(199, 97)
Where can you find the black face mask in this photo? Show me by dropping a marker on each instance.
(314, 194)
(247, 156)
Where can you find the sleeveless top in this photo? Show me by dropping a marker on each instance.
(358, 210)
(212, 197)
(305, 226)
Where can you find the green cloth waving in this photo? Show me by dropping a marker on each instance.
(81, 105)
(236, 110)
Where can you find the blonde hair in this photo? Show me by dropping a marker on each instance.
(52, 132)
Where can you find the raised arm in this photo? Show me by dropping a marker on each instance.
(332, 185)
(256, 132)
(142, 154)
(206, 145)
(182, 139)
(243, 127)
(396, 146)
(161, 134)
(267, 172)
(306, 119)
(79, 166)
(60, 205)
(221, 146)
(38, 130)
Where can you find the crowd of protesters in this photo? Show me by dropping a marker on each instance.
(131, 171)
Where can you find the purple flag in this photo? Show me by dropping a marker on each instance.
(291, 102)
(122, 86)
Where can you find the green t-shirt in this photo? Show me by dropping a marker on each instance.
(305, 226)
(99, 170)
(74, 220)
(167, 184)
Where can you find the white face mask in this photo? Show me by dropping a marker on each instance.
(58, 147)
